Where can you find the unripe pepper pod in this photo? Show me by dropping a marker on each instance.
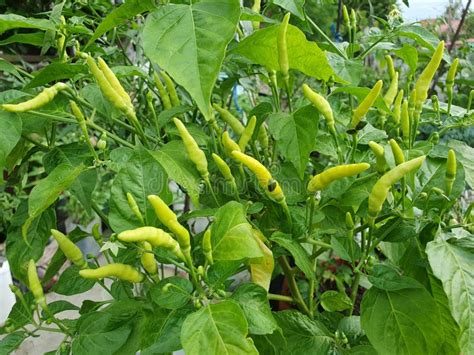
(223, 168)
(102, 142)
(263, 136)
(381, 188)
(230, 119)
(379, 153)
(148, 260)
(165, 99)
(69, 249)
(34, 285)
(397, 107)
(154, 236)
(435, 103)
(256, 8)
(405, 123)
(247, 133)
(366, 104)
(171, 89)
(390, 66)
(450, 171)
(121, 271)
(345, 16)
(321, 181)
(114, 82)
(207, 246)
(96, 234)
(397, 152)
(353, 20)
(283, 50)
(450, 82)
(392, 91)
(196, 155)
(228, 144)
(349, 221)
(43, 98)
(134, 207)
(322, 105)
(170, 220)
(422, 85)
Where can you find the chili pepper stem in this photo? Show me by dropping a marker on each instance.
(351, 156)
(287, 212)
(354, 290)
(211, 190)
(312, 205)
(295, 292)
(282, 298)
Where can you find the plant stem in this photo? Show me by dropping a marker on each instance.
(354, 290)
(274, 297)
(330, 42)
(295, 292)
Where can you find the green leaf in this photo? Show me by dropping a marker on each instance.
(252, 298)
(10, 134)
(420, 34)
(11, 21)
(61, 306)
(387, 278)
(34, 39)
(177, 294)
(219, 328)
(346, 248)
(12, 341)
(173, 158)
(71, 283)
(295, 135)
(56, 71)
(303, 55)
(140, 176)
(161, 332)
(334, 301)
(350, 71)
(119, 15)
(232, 235)
(451, 262)
(370, 133)
(397, 230)
(189, 42)
(303, 335)
(401, 322)
(409, 54)
(293, 6)
(296, 250)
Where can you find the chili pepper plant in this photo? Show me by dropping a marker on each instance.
(294, 200)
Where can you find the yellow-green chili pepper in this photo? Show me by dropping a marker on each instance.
(405, 123)
(381, 188)
(134, 207)
(353, 20)
(256, 8)
(379, 153)
(283, 50)
(229, 144)
(392, 91)
(247, 133)
(397, 107)
(196, 155)
(349, 221)
(345, 17)
(113, 81)
(121, 271)
(34, 285)
(171, 89)
(450, 81)
(322, 105)
(70, 250)
(263, 136)
(165, 98)
(397, 152)
(43, 98)
(390, 66)
(230, 119)
(148, 260)
(271, 186)
(422, 85)
(366, 104)
(223, 168)
(322, 180)
(450, 171)
(207, 246)
(170, 220)
(155, 236)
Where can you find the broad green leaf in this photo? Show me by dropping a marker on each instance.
(173, 158)
(387, 278)
(303, 335)
(35, 39)
(346, 248)
(7, 67)
(370, 133)
(61, 306)
(219, 328)
(140, 176)
(219, 272)
(348, 70)
(293, 6)
(420, 34)
(48, 190)
(296, 250)
(271, 344)
(176, 295)
(232, 235)
(19, 315)
(397, 230)
(452, 263)
(352, 329)
(12, 341)
(401, 322)
(119, 15)
(11, 21)
(335, 301)
(161, 332)
(295, 135)
(56, 71)
(189, 42)
(252, 298)
(409, 54)
(303, 55)
(261, 269)
(71, 283)
(18, 250)
(10, 134)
